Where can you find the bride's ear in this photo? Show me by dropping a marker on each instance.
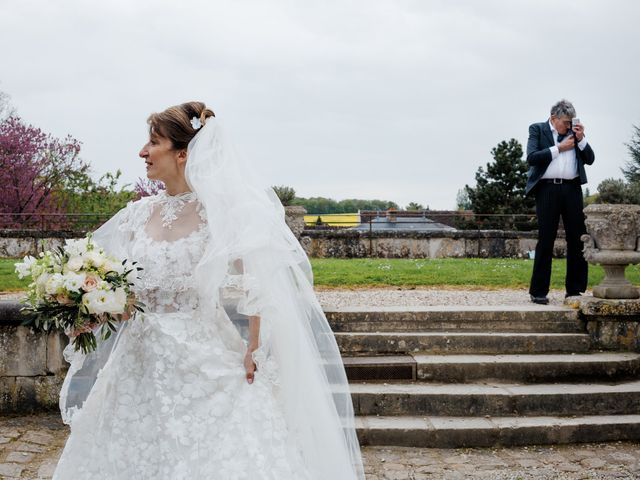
(182, 157)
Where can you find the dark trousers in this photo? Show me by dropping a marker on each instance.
(552, 202)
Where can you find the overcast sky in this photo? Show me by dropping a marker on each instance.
(396, 100)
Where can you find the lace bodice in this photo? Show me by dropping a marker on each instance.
(169, 235)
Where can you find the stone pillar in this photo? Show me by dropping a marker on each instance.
(294, 216)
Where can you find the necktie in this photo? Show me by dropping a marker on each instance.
(561, 137)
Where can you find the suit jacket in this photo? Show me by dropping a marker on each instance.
(539, 155)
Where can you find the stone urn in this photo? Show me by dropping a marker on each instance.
(294, 216)
(612, 241)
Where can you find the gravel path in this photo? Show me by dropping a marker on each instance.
(380, 297)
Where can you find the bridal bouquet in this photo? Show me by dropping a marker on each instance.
(76, 289)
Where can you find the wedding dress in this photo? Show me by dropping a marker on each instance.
(166, 397)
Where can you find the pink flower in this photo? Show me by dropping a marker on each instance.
(91, 282)
(63, 299)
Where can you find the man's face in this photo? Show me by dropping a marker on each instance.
(561, 124)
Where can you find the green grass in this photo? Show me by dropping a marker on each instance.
(446, 272)
(450, 272)
(9, 281)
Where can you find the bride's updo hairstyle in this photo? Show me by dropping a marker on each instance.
(177, 123)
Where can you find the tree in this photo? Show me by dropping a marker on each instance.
(6, 109)
(500, 189)
(612, 190)
(462, 200)
(631, 171)
(285, 194)
(33, 166)
(414, 207)
(80, 193)
(145, 187)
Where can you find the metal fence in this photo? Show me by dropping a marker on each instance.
(48, 222)
(400, 221)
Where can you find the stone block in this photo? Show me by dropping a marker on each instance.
(613, 324)
(22, 352)
(56, 364)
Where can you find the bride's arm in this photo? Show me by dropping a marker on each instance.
(254, 343)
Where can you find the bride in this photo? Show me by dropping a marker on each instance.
(232, 372)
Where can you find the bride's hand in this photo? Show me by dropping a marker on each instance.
(249, 366)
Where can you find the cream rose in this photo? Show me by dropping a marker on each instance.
(91, 283)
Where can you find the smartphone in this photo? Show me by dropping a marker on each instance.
(574, 121)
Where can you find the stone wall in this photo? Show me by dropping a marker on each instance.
(431, 244)
(32, 367)
(348, 243)
(18, 243)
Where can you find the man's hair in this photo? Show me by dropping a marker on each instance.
(564, 108)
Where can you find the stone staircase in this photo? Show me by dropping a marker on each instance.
(472, 376)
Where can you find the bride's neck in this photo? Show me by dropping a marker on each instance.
(177, 187)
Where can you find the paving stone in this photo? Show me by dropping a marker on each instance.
(10, 470)
(27, 447)
(47, 468)
(568, 467)
(19, 457)
(593, 462)
(40, 438)
(8, 432)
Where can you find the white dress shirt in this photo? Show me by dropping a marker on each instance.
(563, 164)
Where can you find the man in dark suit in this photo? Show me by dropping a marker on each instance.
(557, 151)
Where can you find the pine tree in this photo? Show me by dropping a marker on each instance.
(500, 189)
(631, 170)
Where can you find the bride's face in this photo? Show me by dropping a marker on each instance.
(162, 160)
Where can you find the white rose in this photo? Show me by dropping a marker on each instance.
(76, 247)
(117, 301)
(101, 301)
(75, 263)
(54, 284)
(93, 258)
(73, 281)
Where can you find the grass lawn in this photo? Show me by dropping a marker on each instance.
(449, 272)
(446, 272)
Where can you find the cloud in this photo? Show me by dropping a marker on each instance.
(400, 100)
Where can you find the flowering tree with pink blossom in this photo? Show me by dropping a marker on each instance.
(33, 166)
(145, 187)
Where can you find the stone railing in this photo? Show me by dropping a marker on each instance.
(32, 367)
(425, 244)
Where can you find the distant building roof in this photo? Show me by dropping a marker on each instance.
(394, 221)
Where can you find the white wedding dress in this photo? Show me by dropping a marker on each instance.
(172, 401)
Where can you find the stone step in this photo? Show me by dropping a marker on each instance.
(495, 399)
(456, 432)
(503, 368)
(533, 318)
(461, 342)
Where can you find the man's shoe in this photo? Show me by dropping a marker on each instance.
(567, 295)
(540, 300)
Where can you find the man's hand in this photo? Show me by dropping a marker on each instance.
(568, 143)
(578, 129)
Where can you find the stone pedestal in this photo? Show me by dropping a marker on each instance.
(612, 242)
(613, 324)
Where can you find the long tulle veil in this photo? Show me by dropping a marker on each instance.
(251, 243)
